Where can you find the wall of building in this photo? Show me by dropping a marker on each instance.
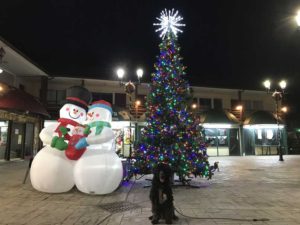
(227, 95)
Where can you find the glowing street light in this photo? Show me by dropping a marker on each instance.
(277, 96)
(298, 19)
(139, 73)
(284, 109)
(120, 73)
(282, 84)
(267, 84)
(239, 107)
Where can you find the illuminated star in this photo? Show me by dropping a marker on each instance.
(169, 22)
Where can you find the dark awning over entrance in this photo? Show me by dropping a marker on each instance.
(261, 117)
(16, 100)
(218, 116)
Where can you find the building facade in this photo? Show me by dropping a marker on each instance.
(21, 104)
(26, 92)
(225, 132)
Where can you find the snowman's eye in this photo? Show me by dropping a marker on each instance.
(67, 109)
(97, 115)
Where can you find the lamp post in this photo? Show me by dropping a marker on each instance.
(277, 96)
(240, 109)
(131, 89)
(136, 104)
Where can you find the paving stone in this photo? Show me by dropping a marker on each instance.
(245, 188)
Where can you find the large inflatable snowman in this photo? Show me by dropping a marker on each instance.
(99, 170)
(52, 167)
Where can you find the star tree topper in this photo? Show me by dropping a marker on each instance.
(169, 22)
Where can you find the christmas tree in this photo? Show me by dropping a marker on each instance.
(172, 134)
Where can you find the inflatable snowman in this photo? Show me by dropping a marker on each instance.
(99, 170)
(52, 168)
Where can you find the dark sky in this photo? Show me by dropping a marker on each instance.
(226, 43)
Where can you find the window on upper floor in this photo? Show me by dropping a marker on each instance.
(102, 96)
(61, 96)
(205, 103)
(56, 97)
(22, 87)
(218, 103)
(120, 100)
(247, 104)
(257, 105)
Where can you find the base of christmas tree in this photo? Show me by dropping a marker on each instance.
(181, 182)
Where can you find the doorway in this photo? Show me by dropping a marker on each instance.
(21, 140)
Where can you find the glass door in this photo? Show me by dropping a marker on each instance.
(28, 147)
(17, 140)
(3, 138)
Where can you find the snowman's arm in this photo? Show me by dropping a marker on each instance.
(47, 133)
(106, 135)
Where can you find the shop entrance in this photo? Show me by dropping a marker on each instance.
(21, 140)
(222, 141)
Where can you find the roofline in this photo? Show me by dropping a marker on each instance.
(23, 55)
(146, 83)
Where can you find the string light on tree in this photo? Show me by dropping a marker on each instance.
(169, 22)
(172, 134)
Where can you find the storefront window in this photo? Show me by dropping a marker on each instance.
(266, 137)
(3, 138)
(216, 136)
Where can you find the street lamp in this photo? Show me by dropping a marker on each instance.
(240, 109)
(131, 89)
(298, 19)
(2, 54)
(277, 96)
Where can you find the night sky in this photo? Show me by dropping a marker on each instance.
(231, 44)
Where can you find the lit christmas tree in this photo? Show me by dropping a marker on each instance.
(172, 134)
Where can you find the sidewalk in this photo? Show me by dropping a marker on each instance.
(245, 188)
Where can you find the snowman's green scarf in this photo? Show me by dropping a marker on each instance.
(99, 126)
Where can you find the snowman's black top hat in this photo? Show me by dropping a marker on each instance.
(79, 96)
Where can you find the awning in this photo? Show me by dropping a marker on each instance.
(218, 116)
(16, 100)
(261, 117)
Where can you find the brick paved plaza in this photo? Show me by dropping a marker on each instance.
(246, 188)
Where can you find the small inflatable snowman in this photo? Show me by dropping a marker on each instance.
(99, 170)
(52, 168)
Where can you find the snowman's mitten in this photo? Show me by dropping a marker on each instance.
(82, 143)
(87, 130)
(63, 130)
(61, 144)
(53, 142)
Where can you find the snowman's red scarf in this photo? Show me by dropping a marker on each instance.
(64, 122)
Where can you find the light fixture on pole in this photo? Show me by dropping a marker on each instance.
(194, 106)
(131, 89)
(298, 19)
(277, 96)
(240, 109)
(2, 54)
